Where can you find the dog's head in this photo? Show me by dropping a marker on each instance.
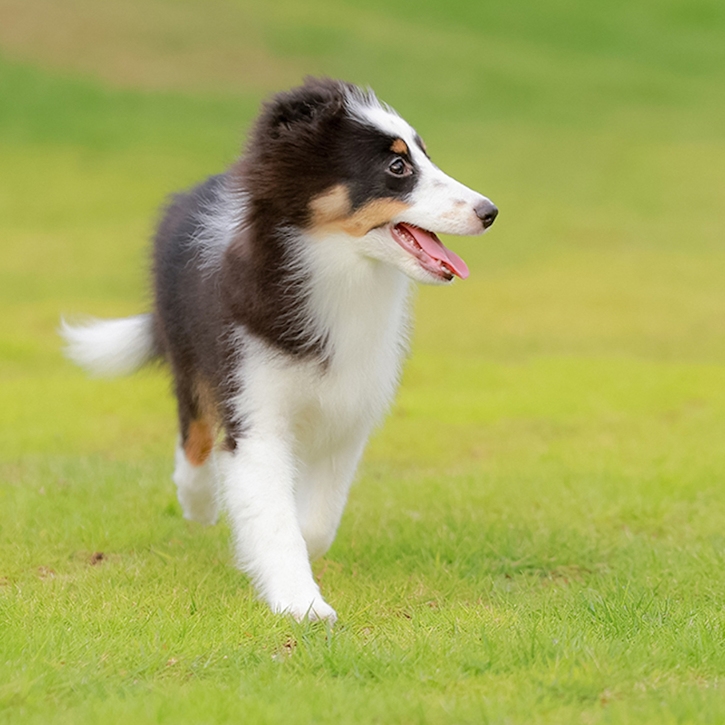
(329, 158)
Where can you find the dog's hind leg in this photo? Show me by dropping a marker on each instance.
(194, 472)
(196, 487)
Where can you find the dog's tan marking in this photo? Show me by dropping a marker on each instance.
(331, 212)
(374, 214)
(330, 206)
(199, 442)
(399, 147)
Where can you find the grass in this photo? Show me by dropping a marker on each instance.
(536, 535)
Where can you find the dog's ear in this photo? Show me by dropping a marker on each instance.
(299, 110)
(317, 99)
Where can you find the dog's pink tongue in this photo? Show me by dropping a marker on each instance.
(433, 247)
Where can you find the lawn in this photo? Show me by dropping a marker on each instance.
(537, 533)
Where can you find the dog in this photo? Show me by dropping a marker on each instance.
(281, 304)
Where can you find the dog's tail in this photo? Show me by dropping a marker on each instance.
(107, 348)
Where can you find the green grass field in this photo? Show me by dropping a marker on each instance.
(537, 534)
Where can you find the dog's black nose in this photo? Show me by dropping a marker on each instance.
(487, 212)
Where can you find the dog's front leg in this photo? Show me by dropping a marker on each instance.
(258, 481)
(322, 491)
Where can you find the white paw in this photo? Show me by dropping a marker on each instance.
(199, 505)
(318, 546)
(316, 609)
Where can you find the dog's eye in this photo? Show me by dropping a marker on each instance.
(398, 167)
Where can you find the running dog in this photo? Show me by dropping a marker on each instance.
(281, 293)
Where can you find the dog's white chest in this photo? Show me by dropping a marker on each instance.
(366, 338)
(364, 321)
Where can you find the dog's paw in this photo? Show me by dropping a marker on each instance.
(314, 610)
(199, 505)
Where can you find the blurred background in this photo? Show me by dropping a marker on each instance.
(598, 128)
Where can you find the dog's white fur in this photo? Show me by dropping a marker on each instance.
(107, 348)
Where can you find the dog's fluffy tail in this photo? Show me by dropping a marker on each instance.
(107, 348)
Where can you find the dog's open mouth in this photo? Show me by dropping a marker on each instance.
(429, 251)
